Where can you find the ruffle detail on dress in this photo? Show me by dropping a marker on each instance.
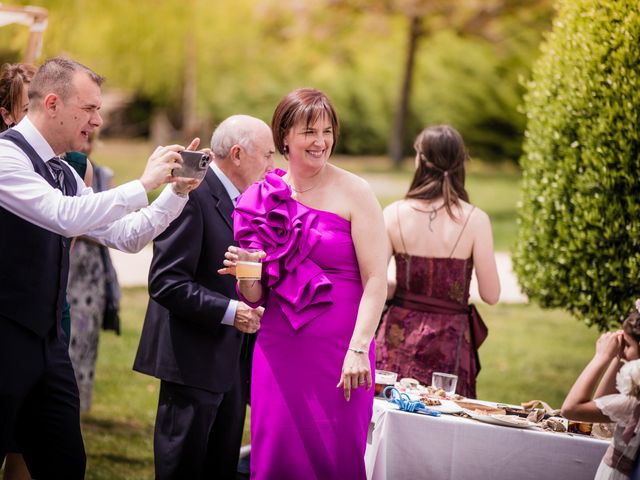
(266, 217)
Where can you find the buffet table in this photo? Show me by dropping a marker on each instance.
(412, 446)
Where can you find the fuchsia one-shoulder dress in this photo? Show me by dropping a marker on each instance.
(301, 425)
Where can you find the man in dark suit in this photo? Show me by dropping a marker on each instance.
(195, 337)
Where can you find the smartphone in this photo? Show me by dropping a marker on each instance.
(194, 165)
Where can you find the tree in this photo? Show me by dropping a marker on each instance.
(189, 64)
(425, 17)
(578, 243)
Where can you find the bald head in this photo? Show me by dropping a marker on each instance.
(243, 148)
(236, 130)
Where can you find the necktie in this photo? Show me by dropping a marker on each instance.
(58, 174)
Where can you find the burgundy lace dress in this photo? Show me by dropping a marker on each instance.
(430, 327)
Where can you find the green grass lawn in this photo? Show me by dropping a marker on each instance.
(529, 354)
(532, 353)
(118, 431)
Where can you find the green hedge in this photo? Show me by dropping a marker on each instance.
(578, 242)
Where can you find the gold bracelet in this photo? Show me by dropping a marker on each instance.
(358, 350)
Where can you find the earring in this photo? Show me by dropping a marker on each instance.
(286, 149)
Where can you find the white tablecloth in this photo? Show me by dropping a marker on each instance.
(411, 446)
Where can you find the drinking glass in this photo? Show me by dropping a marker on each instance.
(383, 380)
(249, 264)
(445, 381)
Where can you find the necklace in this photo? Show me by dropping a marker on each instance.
(432, 212)
(303, 190)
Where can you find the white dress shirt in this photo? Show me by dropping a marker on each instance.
(230, 315)
(108, 217)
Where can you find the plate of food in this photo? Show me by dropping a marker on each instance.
(480, 408)
(440, 404)
(501, 419)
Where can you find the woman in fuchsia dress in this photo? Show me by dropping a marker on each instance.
(323, 287)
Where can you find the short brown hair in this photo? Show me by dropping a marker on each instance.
(56, 76)
(14, 77)
(440, 171)
(303, 104)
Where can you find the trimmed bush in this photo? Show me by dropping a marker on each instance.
(578, 244)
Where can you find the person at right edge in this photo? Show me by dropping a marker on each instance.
(437, 238)
(196, 334)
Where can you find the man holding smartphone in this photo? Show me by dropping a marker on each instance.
(43, 203)
(196, 336)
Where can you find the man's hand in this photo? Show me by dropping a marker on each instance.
(248, 319)
(160, 165)
(182, 185)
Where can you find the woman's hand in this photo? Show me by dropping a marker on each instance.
(231, 259)
(579, 404)
(610, 345)
(356, 372)
(229, 262)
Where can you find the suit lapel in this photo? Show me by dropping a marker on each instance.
(223, 203)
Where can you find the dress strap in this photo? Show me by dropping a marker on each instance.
(404, 247)
(461, 232)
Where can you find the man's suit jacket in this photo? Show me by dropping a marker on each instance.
(183, 340)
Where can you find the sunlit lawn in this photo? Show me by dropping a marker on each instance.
(529, 354)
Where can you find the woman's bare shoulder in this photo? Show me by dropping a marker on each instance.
(350, 183)
(477, 219)
(394, 206)
(392, 211)
(477, 214)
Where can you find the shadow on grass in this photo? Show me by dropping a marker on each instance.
(96, 425)
(113, 458)
(117, 449)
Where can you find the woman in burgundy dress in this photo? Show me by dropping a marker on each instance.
(323, 287)
(437, 238)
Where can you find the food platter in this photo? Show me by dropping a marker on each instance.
(479, 407)
(500, 419)
(446, 406)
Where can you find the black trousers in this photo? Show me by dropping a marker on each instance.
(198, 433)
(39, 404)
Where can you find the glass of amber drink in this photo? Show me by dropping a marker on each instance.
(249, 264)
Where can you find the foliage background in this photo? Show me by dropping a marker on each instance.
(198, 61)
(244, 55)
(578, 244)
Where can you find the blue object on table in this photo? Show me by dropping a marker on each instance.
(402, 400)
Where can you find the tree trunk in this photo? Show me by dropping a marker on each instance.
(190, 92)
(396, 143)
(161, 131)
